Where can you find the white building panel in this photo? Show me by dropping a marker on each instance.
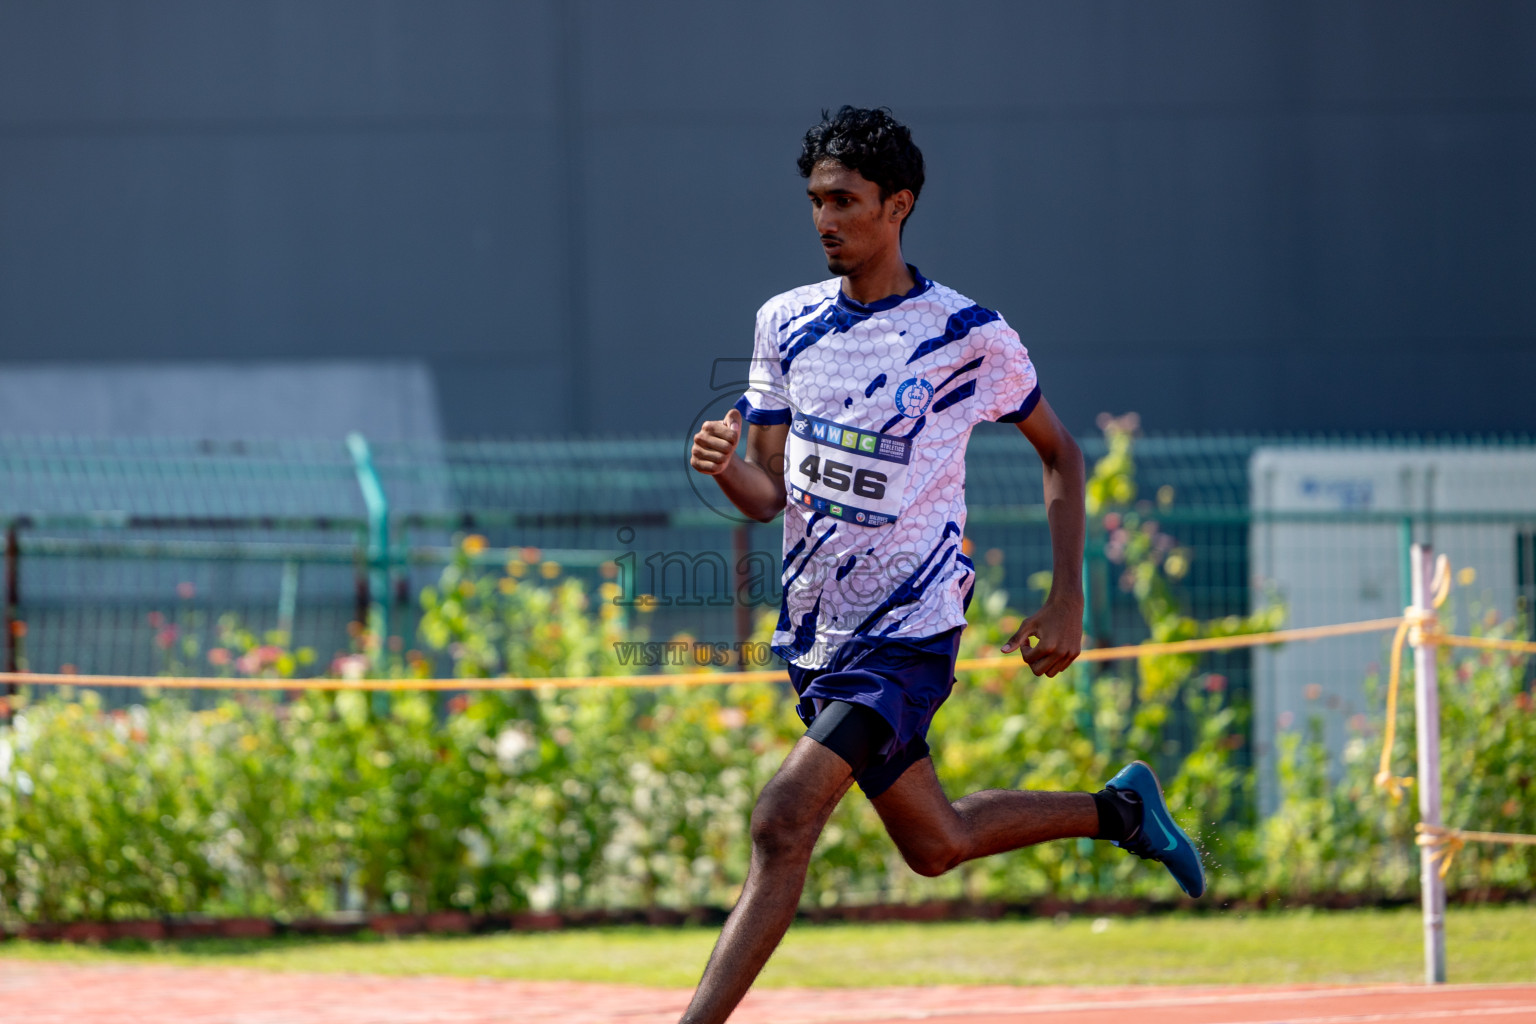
(1329, 538)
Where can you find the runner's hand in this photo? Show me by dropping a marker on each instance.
(1059, 627)
(714, 446)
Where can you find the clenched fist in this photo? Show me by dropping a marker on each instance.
(714, 446)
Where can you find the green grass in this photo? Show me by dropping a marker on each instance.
(1486, 944)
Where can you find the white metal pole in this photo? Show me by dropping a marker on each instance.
(1426, 715)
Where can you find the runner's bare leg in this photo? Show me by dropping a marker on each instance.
(790, 814)
(935, 835)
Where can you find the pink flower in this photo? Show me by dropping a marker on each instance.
(186, 591)
(156, 620)
(1215, 683)
(350, 666)
(1112, 521)
(167, 637)
(218, 656)
(1313, 691)
(1286, 719)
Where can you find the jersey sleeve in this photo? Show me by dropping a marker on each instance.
(766, 401)
(1007, 386)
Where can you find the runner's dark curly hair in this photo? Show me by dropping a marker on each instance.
(871, 142)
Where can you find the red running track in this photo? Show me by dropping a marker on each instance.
(50, 993)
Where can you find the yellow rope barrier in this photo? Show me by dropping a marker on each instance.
(1221, 643)
(1446, 843)
(1394, 784)
(1485, 643)
(1218, 643)
(1413, 626)
(497, 683)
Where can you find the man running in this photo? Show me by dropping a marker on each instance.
(864, 389)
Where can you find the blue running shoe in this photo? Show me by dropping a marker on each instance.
(1158, 837)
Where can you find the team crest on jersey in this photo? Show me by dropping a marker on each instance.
(913, 396)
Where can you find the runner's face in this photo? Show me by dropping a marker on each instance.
(856, 228)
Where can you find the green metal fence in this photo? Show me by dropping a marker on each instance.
(109, 543)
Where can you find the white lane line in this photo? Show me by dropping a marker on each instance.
(1225, 999)
(1361, 1018)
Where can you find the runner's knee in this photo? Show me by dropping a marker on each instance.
(936, 855)
(781, 825)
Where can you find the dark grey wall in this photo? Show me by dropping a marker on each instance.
(1278, 215)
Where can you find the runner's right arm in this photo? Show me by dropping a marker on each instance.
(754, 484)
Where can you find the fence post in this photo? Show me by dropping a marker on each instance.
(377, 504)
(1426, 700)
(288, 601)
(1084, 678)
(12, 604)
(741, 547)
(1085, 673)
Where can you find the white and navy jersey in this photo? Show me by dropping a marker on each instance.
(880, 400)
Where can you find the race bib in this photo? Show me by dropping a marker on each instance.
(847, 473)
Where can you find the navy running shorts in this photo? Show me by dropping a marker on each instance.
(904, 680)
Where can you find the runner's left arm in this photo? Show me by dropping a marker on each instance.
(1059, 623)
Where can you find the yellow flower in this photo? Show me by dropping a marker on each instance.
(474, 544)
(507, 584)
(1466, 576)
(549, 570)
(610, 591)
(516, 567)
